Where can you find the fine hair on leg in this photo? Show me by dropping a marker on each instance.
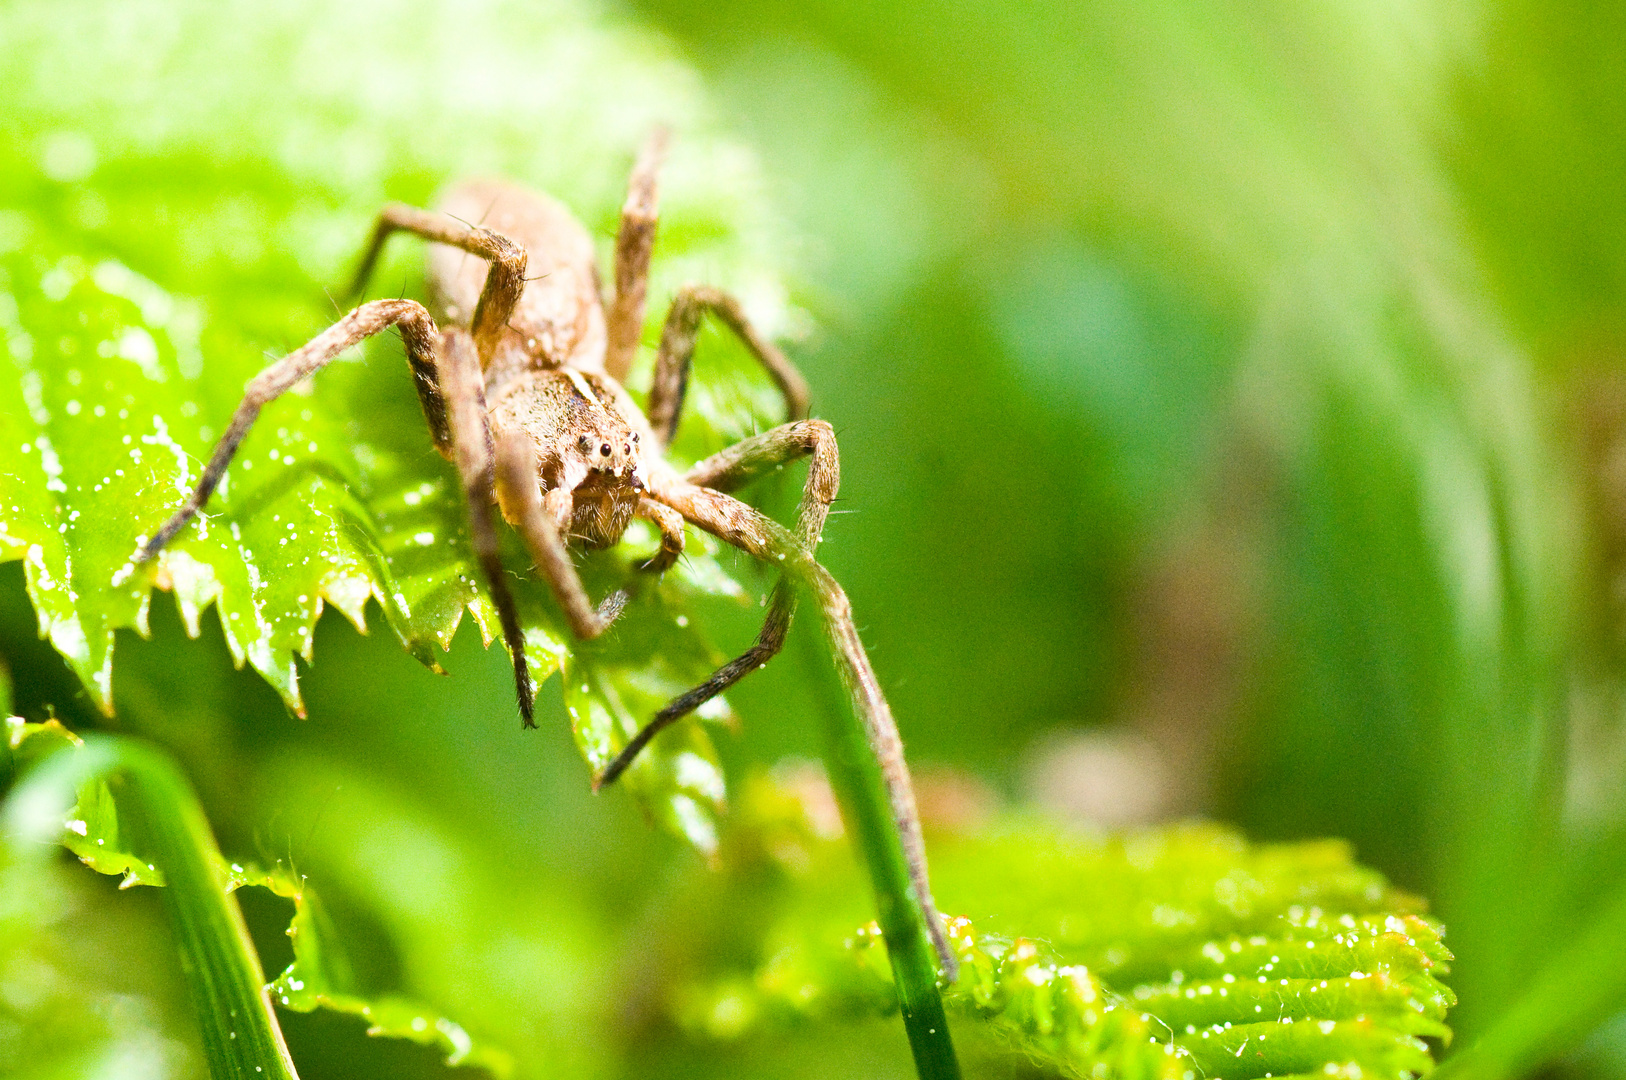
(882, 731)
(676, 354)
(633, 243)
(417, 331)
(472, 452)
(504, 282)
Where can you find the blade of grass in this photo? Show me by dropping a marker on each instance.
(1579, 988)
(860, 786)
(241, 1038)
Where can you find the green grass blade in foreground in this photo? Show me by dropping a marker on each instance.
(1582, 985)
(107, 829)
(241, 1038)
(856, 777)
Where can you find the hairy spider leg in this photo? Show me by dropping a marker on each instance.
(732, 468)
(504, 282)
(676, 354)
(633, 243)
(670, 524)
(474, 455)
(522, 494)
(422, 339)
(728, 470)
(750, 530)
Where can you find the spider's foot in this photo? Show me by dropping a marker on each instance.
(611, 608)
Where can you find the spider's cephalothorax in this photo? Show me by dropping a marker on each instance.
(520, 383)
(588, 451)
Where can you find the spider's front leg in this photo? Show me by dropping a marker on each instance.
(725, 471)
(728, 470)
(538, 521)
(747, 528)
(417, 331)
(472, 451)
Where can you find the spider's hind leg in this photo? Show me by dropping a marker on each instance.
(676, 354)
(633, 243)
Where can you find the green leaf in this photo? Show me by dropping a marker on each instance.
(1177, 952)
(140, 289)
(241, 1038)
(207, 923)
(320, 978)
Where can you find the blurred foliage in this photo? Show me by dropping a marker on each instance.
(1238, 383)
(320, 976)
(123, 807)
(1168, 946)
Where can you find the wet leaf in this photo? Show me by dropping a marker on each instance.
(1178, 952)
(141, 288)
(320, 978)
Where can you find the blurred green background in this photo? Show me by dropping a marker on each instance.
(1232, 404)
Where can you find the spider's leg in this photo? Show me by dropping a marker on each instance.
(670, 524)
(469, 435)
(746, 528)
(767, 645)
(633, 242)
(521, 493)
(417, 330)
(724, 471)
(733, 521)
(733, 467)
(504, 282)
(677, 351)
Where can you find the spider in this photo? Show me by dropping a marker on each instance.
(520, 384)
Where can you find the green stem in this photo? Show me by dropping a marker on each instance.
(860, 788)
(241, 1038)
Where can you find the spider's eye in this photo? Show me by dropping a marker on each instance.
(627, 449)
(585, 444)
(604, 449)
(634, 436)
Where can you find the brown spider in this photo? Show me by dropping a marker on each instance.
(522, 391)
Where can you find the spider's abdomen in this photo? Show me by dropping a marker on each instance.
(559, 319)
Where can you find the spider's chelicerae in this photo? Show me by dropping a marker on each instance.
(520, 383)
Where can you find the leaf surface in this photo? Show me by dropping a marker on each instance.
(319, 977)
(1178, 952)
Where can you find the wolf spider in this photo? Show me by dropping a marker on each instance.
(522, 391)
